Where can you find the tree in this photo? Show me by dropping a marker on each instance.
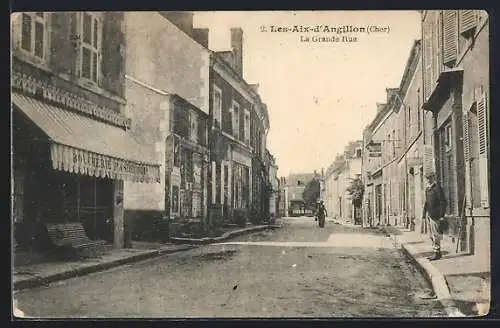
(311, 192)
(356, 190)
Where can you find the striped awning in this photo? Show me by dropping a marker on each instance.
(82, 145)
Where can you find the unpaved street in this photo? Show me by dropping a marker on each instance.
(296, 271)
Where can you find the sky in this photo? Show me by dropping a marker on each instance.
(320, 96)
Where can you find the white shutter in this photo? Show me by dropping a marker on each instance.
(428, 157)
(467, 156)
(450, 36)
(468, 21)
(483, 130)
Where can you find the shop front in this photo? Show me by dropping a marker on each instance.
(69, 163)
(241, 180)
(188, 180)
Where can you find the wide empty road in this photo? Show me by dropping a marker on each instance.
(299, 270)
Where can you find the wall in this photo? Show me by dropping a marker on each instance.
(149, 111)
(476, 73)
(161, 55)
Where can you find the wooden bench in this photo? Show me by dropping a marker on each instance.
(72, 235)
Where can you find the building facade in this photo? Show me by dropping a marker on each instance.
(239, 124)
(455, 64)
(72, 145)
(338, 178)
(410, 159)
(274, 183)
(380, 142)
(168, 97)
(294, 187)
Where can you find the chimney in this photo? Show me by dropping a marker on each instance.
(182, 19)
(255, 87)
(391, 92)
(201, 36)
(380, 107)
(237, 48)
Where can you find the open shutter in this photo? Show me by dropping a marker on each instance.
(113, 54)
(450, 36)
(467, 158)
(428, 157)
(482, 117)
(468, 21)
(62, 44)
(427, 59)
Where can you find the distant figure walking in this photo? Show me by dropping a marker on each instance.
(434, 210)
(321, 214)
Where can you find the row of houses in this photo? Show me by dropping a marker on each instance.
(122, 118)
(437, 121)
(339, 176)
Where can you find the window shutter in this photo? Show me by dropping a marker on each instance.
(113, 56)
(482, 117)
(450, 36)
(467, 156)
(427, 60)
(468, 21)
(428, 157)
(62, 49)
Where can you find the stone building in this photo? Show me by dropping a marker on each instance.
(167, 89)
(72, 145)
(238, 131)
(294, 186)
(455, 63)
(338, 177)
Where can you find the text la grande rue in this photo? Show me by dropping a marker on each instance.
(328, 39)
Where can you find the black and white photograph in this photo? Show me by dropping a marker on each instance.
(250, 164)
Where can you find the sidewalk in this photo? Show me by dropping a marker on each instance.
(461, 282)
(30, 275)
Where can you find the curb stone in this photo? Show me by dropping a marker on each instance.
(224, 237)
(38, 281)
(436, 278)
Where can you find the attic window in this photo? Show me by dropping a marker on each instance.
(299, 183)
(358, 152)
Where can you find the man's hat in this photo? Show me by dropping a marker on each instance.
(430, 175)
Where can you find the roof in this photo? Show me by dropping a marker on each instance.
(293, 178)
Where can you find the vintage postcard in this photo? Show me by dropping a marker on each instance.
(258, 164)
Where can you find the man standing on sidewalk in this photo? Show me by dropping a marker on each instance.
(434, 210)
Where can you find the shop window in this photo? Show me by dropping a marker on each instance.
(90, 35)
(34, 34)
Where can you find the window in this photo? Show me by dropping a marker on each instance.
(247, 126)
(90, 35)
(236, 119)
(358, 152)
(217, 106)
(419, 117)
(34, 34)
(194, 126)
(448, 137)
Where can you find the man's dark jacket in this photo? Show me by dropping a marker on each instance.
(435, 202)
